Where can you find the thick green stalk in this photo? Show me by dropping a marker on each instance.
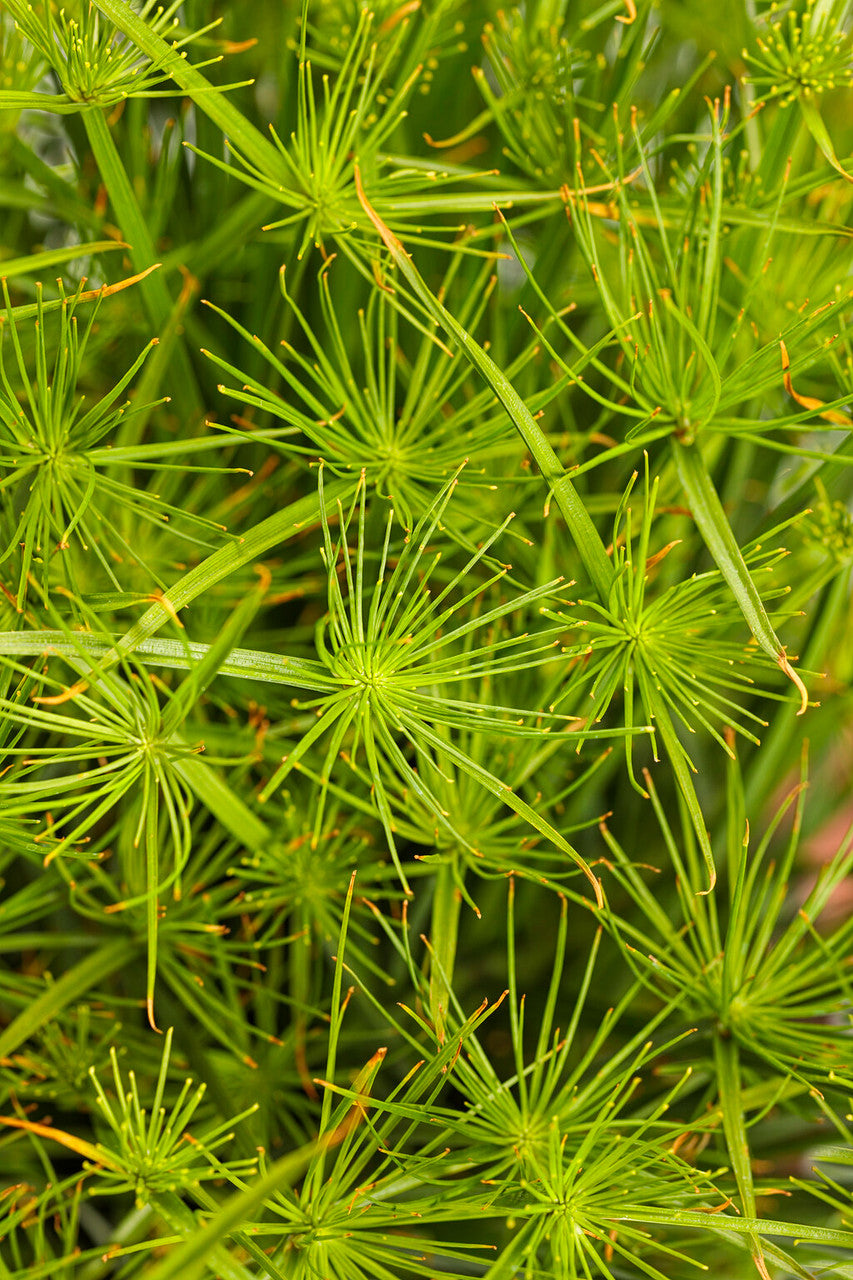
(143, 254)
(830, 1237)
(255, 542)
(727, 1063)
(206, 1244)
(250, 664)
(590, 546)
(768, 765)
(74, 984)
(222, 801)
(249, 141)
(713, 524)
(171, 1208)
(444, 935)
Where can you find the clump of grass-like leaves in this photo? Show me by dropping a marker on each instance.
(425, 567)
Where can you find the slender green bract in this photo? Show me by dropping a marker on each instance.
(711, 520)
(255, 542)
(589, 544)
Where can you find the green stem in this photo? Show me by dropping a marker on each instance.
(76, 982)
(768, 765)
(591, 549)
(169, 1206)
(250, 664)
(278, 527)
(249, 140)
(143, 254)
(727, 1063)
(205, 1244)
(133, 1228)
(444, 935)
(682, 770)
(208, 786)
(713, 524)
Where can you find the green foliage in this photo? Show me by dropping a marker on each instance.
(419, 494)
(801, 52)
(93, 63)
(61, 492)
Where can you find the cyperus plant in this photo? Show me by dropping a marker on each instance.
(425, 552)
(58, 462)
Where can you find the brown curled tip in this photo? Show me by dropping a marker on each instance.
(792, 675)
(55, 699)
(809, 402)
(149, 1008)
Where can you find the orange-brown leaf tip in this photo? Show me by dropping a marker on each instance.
(55, 699)
(792, 675)
(149, 1006)
(809, 402)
